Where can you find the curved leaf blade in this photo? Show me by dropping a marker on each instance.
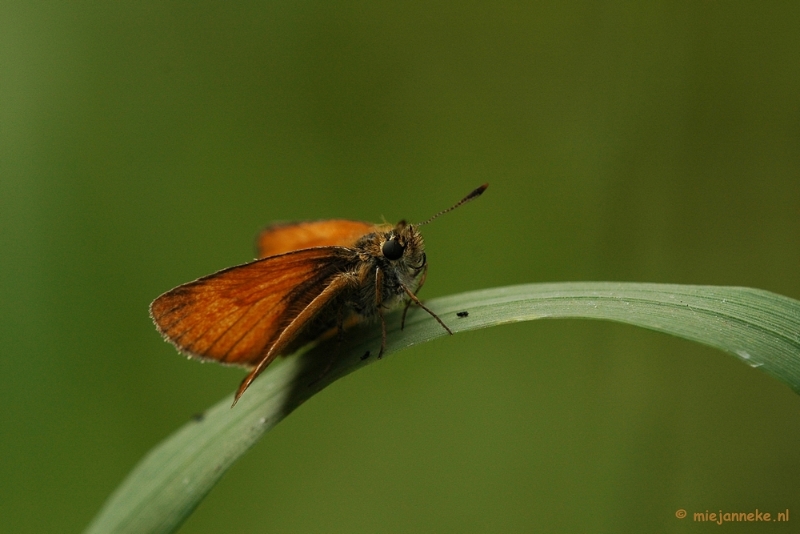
(760, 328)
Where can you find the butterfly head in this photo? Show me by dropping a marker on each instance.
(403, 245)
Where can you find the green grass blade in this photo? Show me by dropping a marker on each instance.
(760, 328)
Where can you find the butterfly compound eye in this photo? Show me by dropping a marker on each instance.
(392, 249)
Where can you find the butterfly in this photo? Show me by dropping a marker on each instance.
(310, 278)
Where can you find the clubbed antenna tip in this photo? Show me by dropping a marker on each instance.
(476, 193)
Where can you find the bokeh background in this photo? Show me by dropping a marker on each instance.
(143, 144)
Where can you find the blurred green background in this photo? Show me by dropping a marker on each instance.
(143, 144)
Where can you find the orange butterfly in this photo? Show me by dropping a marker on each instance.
(312, 277)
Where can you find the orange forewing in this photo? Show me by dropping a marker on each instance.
(286, 237)
(236, 315)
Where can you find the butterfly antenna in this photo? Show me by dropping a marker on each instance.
(474, 194)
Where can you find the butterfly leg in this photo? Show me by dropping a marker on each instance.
(413, 297)
(337, 349)
(409, 301)
(379, 307)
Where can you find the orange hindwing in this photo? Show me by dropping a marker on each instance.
(286, 237)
